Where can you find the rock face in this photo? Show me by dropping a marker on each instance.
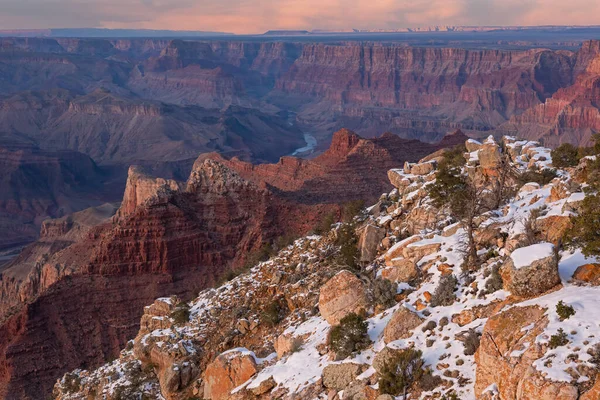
(342, 295)
(513, 374)
(228, 371)
(572, 114)
(532, 279)
(339, 376)
(38, 184)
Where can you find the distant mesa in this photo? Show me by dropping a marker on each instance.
(106, 33)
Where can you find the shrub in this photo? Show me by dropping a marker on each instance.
(401, 371)
(348, 242)
(564, 311)
(565, 155)
(444, 293)
(273, 313)
(352, 209)
(297, 344)
(325, 225)
(349, 336)
(471, 342)
(181, 314)
(584, 232)
(384, 293)
(542, 177)
(558, 339)
(494, 282)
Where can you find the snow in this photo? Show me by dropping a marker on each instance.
(525, 256)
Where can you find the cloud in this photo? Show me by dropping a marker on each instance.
(254, 16)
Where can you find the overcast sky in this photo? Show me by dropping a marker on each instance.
(257, 16)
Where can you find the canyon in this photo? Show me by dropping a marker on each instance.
(75, 296)
(141, 168)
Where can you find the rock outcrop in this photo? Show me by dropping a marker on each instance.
(342, 295)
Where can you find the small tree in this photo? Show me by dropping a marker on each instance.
(349, 336)
(401, 371)
(444, 293)
(565, 155)
(584, 232)
(465, 201)
(348, 242)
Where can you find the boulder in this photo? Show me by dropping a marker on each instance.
(338, 376)
(423, 168)
(553, 227)
(531, 271)
(503, 333)
(489, 155)
(397, 250)
(400, 270)
(469, 315)
(417, 252)
(287, 344)
(587, 274)
(370, 237)
(401, 325)
(398, 179)
(265, 386)
(228, 371)
(342, 295)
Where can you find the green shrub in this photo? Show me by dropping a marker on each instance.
(401, 371)
(324, 225)
(348, 242)
(584, 232)
(565, 155)
(273, 313)
(558, 339)
(541, 177)
(564, 311)
(351, 209)
(349, 336)
(444, 293)
(181, 314)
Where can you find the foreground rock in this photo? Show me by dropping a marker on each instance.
(342, 295)
(531, 271)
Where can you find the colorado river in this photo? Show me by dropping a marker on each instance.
(311, 144)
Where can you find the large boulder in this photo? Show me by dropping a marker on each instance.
(398, 179)
(423, 168)
(553, 227)
(401, 325)
(489, 154)
(370, 237)
(338, 376)
(531, 271)
(400, 270)
(342, 295)
(504, 335)
(228, 371)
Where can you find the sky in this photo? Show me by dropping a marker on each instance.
(258, 16)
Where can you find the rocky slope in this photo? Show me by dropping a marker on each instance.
(167, 237)
(486, 336)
